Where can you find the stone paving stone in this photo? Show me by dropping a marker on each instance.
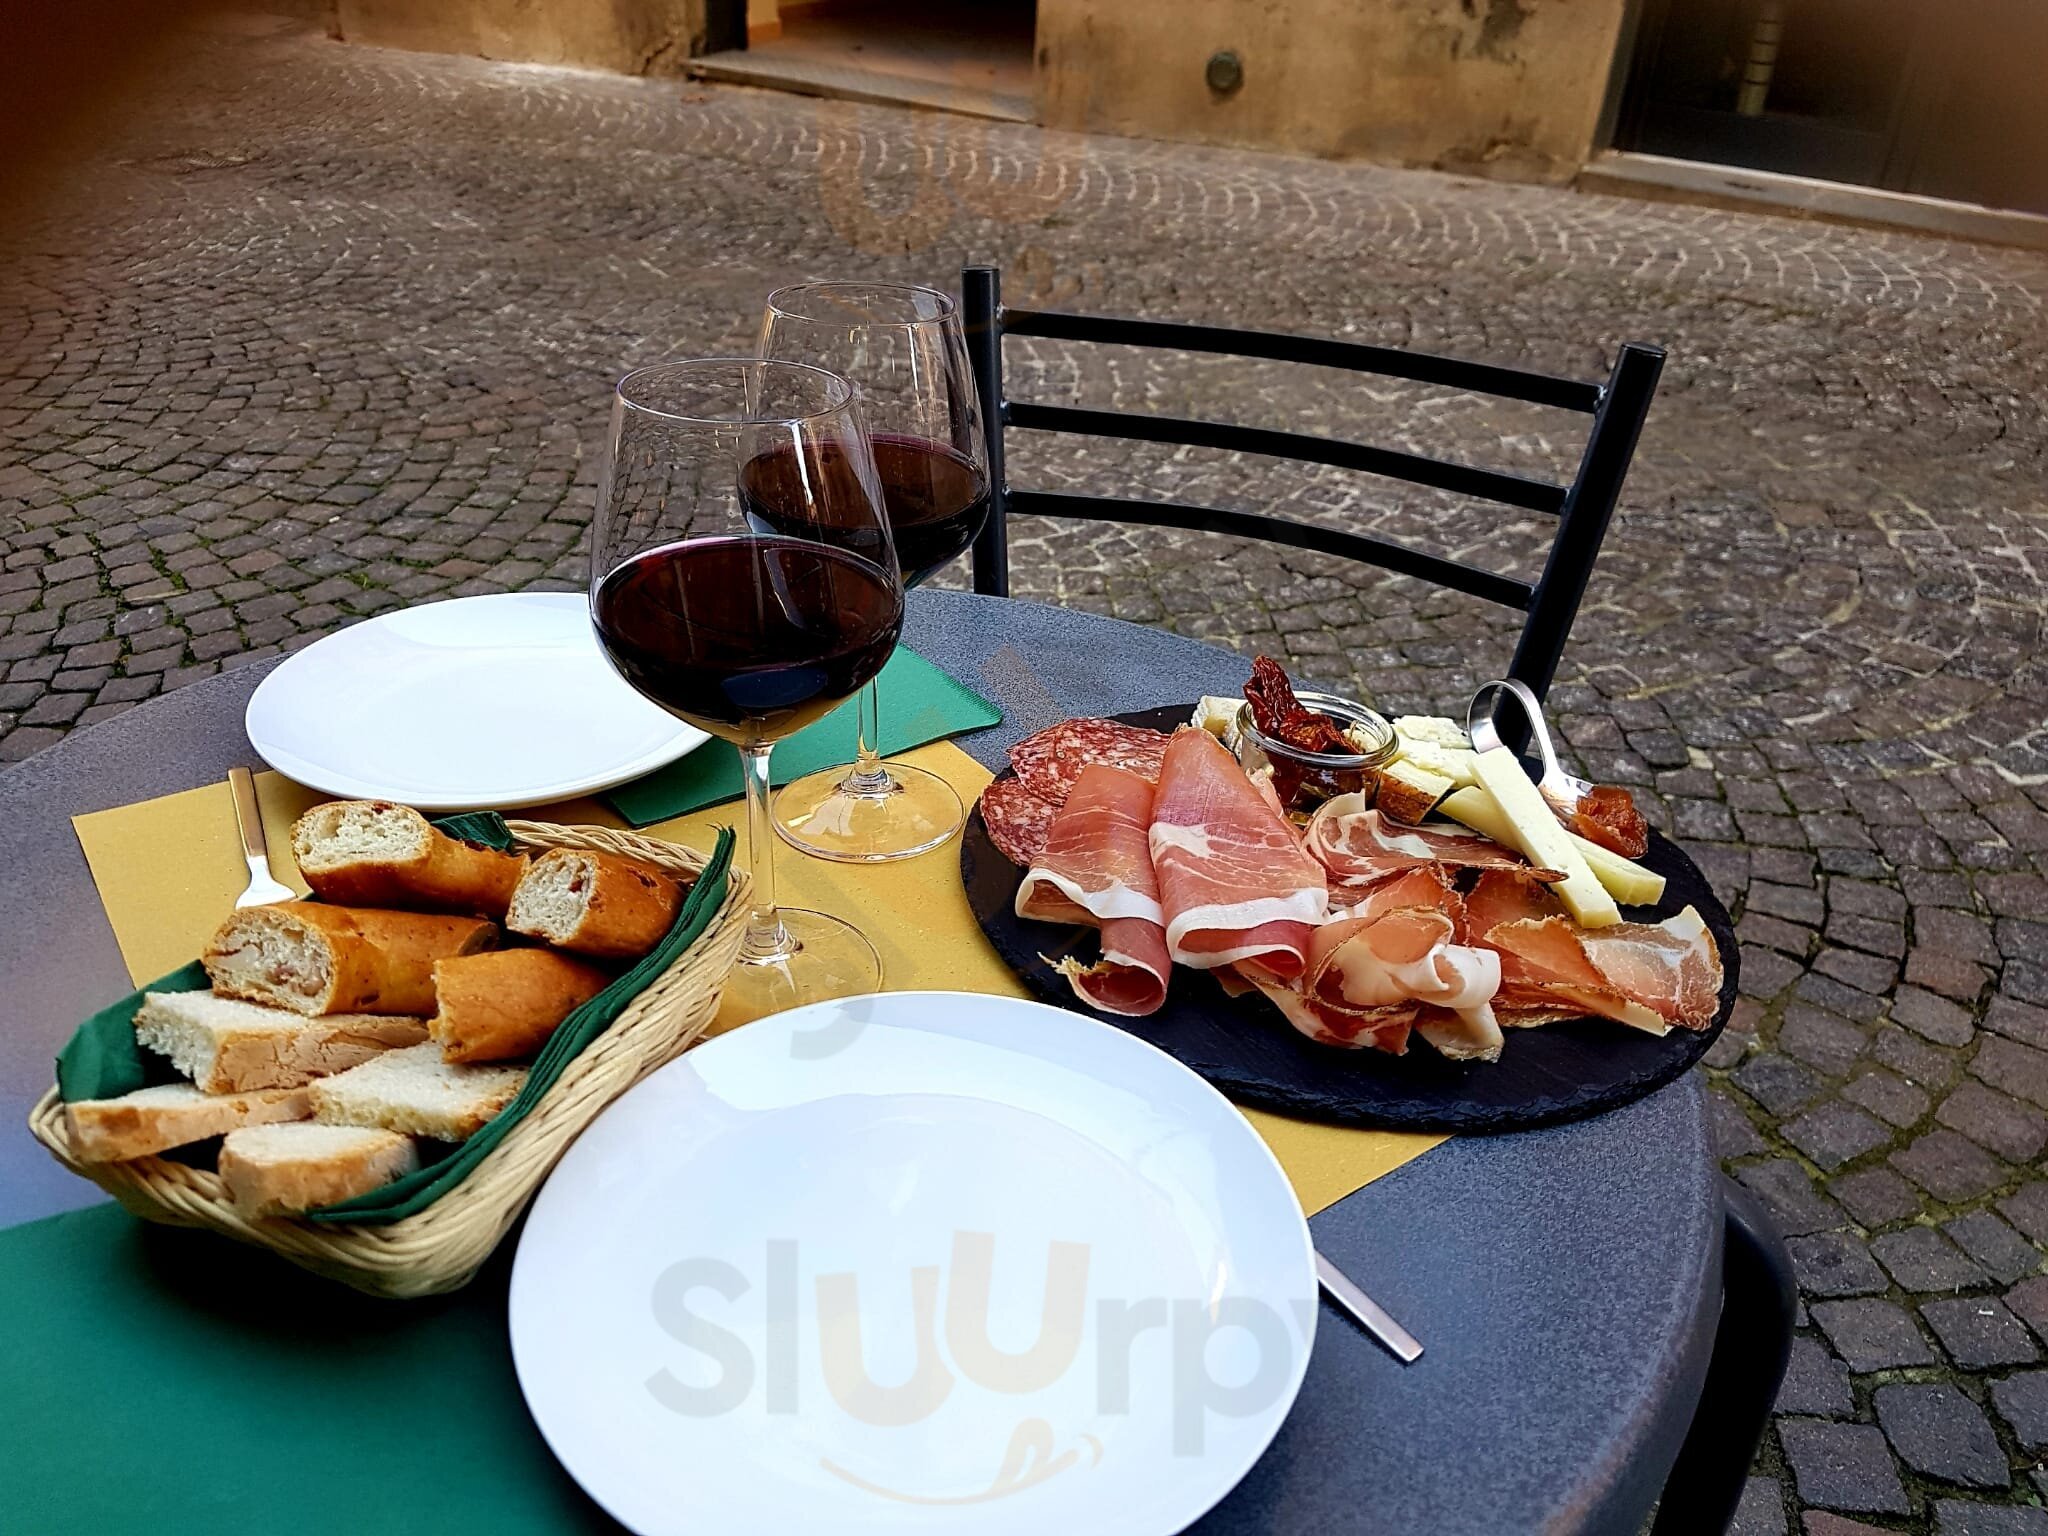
(1889, 1098)
(1940, 1433)
(1921, 1259)
(1820, 1523)
(1978, 1331)
(1875, 1196)
(2022, 1401)
(1761, 1511)
(1833, 1134)
(1790, 1196)
(1936, 1018)
(1834, 1264)
(1968, 1517)
(2000, 1124)
(1872, 1335)
(1949, 1167)
(2003, 1252)
(1842, 1466)
(1815, 1383)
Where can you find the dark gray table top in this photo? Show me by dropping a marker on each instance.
(1565, 1281)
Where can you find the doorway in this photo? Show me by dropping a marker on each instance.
(972, 56)
(1915, 96)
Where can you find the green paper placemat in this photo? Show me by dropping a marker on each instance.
(167, 1383)
(919, 704)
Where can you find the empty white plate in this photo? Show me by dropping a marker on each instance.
(478, 703)
(924, 1261)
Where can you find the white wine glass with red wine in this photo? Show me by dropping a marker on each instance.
(903, 348)
(743, 577)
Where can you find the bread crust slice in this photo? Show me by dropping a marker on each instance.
(314, 959)
(597, 904)
(284, 1170)
(503, 1005)
(226, 1045)
(372, 853)
(153, 1120)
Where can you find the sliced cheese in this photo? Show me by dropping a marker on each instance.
(1543, 840)
(1453, 763)
(1626, 881)
(1438, 730)
(1408, 793)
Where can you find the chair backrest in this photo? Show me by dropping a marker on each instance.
(1582, 508)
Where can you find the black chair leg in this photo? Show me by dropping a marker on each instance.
(1751, 1346)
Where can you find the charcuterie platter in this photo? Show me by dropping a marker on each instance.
(1388, 966)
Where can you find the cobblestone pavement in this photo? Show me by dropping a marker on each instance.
(322, 330)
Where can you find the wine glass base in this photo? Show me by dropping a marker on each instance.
(913, 813)
(830, 958)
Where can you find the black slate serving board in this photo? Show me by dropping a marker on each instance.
(1544, 1076)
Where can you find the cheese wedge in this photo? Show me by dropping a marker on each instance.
(1438, 730)
(1216, 715)
(1408, 793)
(1453, 763)
(1543, 839)
(1626, 881)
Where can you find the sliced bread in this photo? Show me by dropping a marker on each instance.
(375, 854)
(413, 1090)
(317, 959)
(226, 1046)
(152, 1120)
(275, 1170)
(504, 1004)
(596, 904)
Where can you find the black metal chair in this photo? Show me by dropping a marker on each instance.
(1758, 1296)
(1582, 508)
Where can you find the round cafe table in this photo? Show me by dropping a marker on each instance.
(1565, 1282)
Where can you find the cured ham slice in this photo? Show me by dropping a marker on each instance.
(1360, 847)
(1096, 869)
(1648, 975)
(1234, 883)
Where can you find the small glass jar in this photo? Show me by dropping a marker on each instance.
(1309, 778)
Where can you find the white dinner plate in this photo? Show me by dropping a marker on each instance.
(478, 703)
(926, 1261)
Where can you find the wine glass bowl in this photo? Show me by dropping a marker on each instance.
(743, 577)
(903, 349)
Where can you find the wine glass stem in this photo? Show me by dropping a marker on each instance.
(766, 938)
(868, 775)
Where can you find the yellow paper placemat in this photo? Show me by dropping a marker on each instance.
(169, 869)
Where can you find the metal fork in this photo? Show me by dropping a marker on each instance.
(1399, 1342)
(264, 887)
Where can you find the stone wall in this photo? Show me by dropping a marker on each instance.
(1500, 87)
(631, 37)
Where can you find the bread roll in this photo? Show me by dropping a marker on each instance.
(375, 854)
(504, 1005)
(228, 1046)
(317, 959)
(152, 1120)
(596, 904)
(415, 1091)
(273, 1170)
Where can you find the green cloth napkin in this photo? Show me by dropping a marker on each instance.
(919, 704)
(162, 1382)
(101, 1059)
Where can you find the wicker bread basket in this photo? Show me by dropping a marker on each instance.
(441, 1247)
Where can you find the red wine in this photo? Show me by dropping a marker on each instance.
(749, 639)
(935, 498)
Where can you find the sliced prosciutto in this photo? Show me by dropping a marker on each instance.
(1360, 847)
(1096, 869)
(1648, 975)
(1234, 882)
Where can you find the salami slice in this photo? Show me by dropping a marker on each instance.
(1017, 820)
(1050, 762)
